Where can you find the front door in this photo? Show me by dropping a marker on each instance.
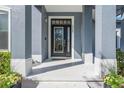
(61, 38)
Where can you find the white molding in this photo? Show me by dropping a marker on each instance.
(88, 58)
(102, 65)
(9, 29)
(37, 58)
(49, 33)
(118, 34)
(97, 62)
(5, 8)
(60, 57)
(21, 60)
(63, 8)
(22, 66)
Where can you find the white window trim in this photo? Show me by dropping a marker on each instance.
(49, 34)
(118, 34)
(4, 8)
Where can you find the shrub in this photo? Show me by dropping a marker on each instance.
(5, 62)
(114, 80)
(9, 79)
(120, 62)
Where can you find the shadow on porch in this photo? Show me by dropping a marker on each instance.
(55, 67)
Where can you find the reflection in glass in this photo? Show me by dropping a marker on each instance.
(3, 30)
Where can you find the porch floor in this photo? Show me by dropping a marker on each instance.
(63, 70)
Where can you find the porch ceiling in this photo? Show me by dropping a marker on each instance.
(63, 8)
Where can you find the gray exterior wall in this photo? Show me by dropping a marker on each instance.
(105, 39)
(77, 30)
(28, 31)
(20, 15)
(39, 32)
(36, 30)
(17, 27)
(44, 34)
(20, 31)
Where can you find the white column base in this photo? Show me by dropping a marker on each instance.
(88, 58)
(37, 58)
(97, 66)
(22, 66)
(103, 66)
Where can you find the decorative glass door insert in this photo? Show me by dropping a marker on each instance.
(58, 39)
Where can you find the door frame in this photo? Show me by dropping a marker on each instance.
(49, 35)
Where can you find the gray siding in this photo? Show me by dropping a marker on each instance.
(77, 30)
(39, 32)
(36, 30)
(20, 31)
(17, 31)
(28, 31)
(105, 35)
(44, 34)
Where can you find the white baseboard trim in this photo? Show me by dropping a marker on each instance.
(97, 62)
(37, 58)
(22, 66)
(102, 66)
(88, 58)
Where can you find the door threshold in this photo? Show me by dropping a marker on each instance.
(59, 58)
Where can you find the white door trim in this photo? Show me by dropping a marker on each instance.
(49, 33)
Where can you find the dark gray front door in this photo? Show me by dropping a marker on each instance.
(61, 40)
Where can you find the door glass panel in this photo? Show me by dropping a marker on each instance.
(53, 22)
(58, 39)
(3, 30)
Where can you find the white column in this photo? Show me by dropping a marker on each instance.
(105, 39)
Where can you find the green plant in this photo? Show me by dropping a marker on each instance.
(5, 62)
(120, 62)
(9, 79)
(114, 80)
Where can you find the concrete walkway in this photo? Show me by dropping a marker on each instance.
(63, 73)
(37, 84)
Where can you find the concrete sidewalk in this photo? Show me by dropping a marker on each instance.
(36, 84)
